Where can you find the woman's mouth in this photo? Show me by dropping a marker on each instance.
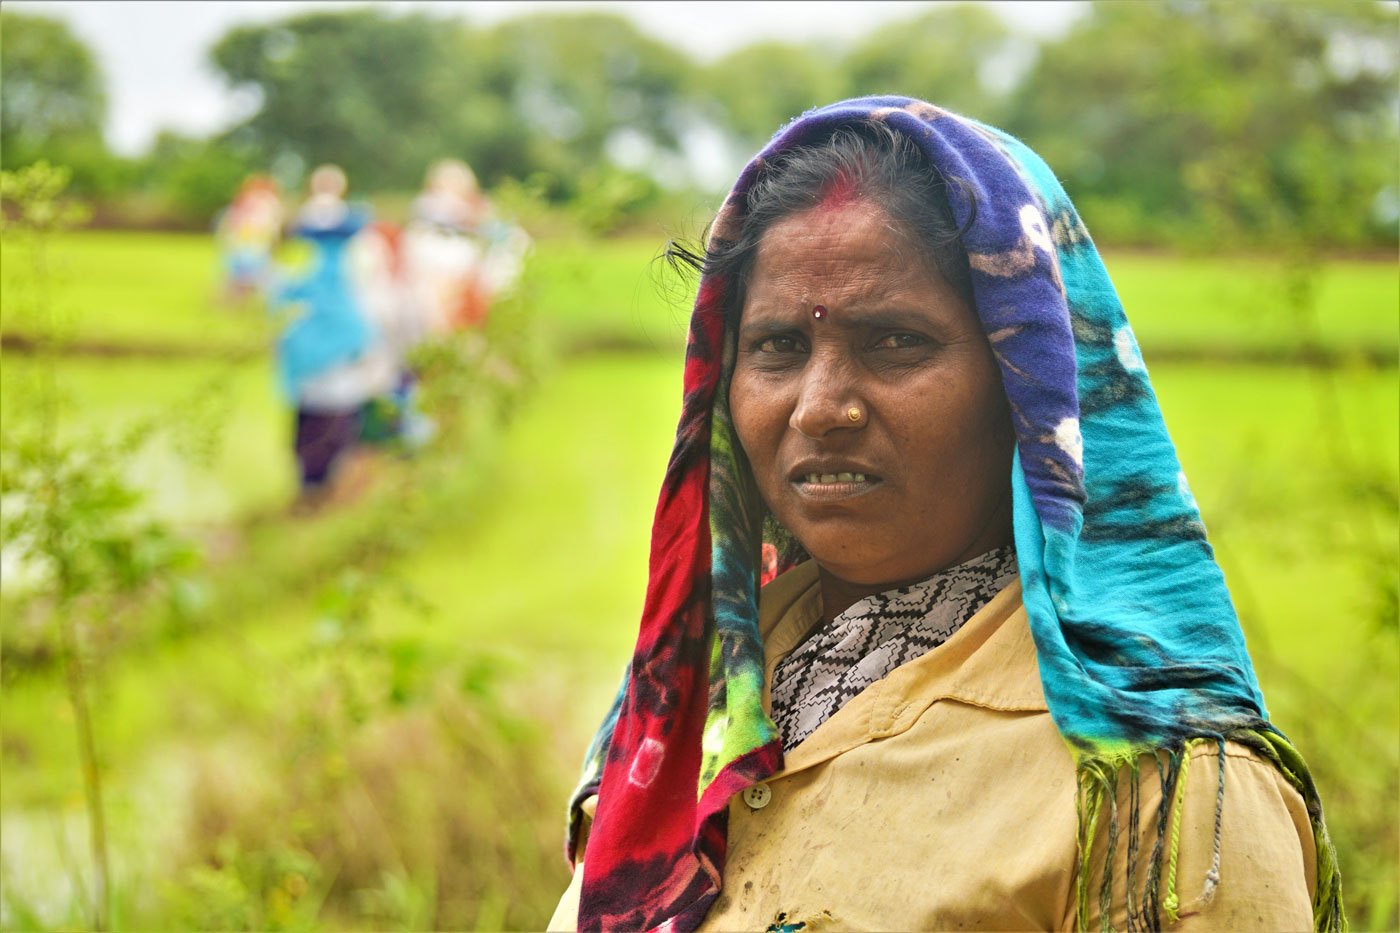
(834, 485)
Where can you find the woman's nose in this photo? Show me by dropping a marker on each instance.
(825, 403)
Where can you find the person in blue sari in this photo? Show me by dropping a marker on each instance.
(330, 358)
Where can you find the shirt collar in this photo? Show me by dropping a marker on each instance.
(990, 662)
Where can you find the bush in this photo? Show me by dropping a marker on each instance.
(430, 814)
(196, 178)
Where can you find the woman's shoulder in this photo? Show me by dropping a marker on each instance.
(1230, 836)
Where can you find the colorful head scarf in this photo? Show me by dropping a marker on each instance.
(1140, 651)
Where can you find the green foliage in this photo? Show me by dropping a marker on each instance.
(761, 87)
(577, 79)
(197, 177)
(52, 104)
(607, 197)
(374, 743)
(1296, 474)
(1227, 122)
(243, 890)
(943, 56)
(1197, 124)
(383, 94)
(69, 517)
(363, 88)
(50, 86)
(35, 210)
(373, 735)
(1238, 308)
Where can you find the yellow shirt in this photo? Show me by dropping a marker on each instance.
(942, 797)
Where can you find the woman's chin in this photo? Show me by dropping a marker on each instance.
(859, 566)
(861, 557)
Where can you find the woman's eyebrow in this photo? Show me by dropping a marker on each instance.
(757, 323)
(924, 316)
(884, 317)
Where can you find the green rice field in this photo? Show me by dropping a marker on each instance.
(160, 289)
(519, 583)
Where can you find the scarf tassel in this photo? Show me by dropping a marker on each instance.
(1156, 897)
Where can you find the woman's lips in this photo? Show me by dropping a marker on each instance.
(828, 486)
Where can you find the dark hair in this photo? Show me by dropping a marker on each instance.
(872, 161)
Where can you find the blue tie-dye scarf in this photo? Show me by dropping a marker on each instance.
(1140, 652)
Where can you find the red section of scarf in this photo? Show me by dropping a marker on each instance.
(638, 874)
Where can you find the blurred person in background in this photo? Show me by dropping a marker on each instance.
(247, 232)
(997, 681)
(451, 198)
(393, 304)
(458, 252)
(332, 357)
(442, 251)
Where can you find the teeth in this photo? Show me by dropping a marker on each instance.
(819, 478)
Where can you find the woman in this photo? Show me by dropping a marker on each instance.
(247, 232)
(444, 249)
(332, 357)
(1008, 690)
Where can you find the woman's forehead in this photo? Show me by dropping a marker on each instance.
(834, 256)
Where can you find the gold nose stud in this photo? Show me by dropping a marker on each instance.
(853, 413)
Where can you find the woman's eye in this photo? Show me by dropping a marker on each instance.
(900, 342)
(780, 345)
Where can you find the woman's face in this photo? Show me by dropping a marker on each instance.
(922, 480)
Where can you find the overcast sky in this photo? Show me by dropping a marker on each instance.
(154, 53)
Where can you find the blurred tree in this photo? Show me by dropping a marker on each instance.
(50, 86)
(760, 87)
(480, 123)
(577, 84)
(52, 102)
(362, 88)
(947, 55)
(196, 177)
(383, 95)
(1221, 121)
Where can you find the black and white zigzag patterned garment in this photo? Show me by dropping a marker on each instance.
(876, 635)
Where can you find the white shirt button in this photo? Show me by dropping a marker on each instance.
(757, 797)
